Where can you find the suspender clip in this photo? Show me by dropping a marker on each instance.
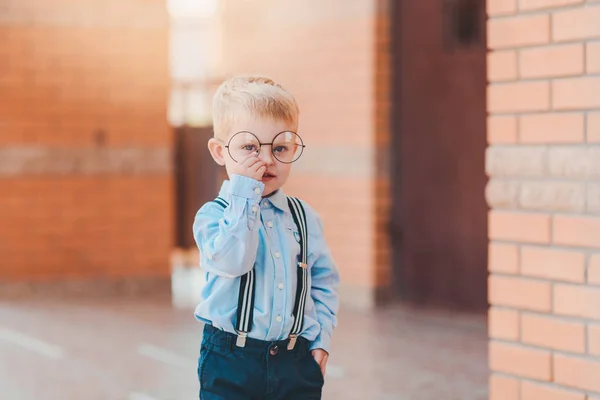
(241, 339)
(292, 342)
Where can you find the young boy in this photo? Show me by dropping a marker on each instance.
(270, 301)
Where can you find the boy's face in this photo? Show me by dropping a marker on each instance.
(247, 133)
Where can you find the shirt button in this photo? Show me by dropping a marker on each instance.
(254, 208)
(257, 190)
(280, 286)
(277, 254)
(279, 319)
(270, 224)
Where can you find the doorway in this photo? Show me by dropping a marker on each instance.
(439, 212)
(197, 179)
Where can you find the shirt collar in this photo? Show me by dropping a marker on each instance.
(223, 192)
(277, 199)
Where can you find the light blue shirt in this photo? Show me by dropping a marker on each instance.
(260, 233)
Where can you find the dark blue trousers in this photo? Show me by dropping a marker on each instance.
(260, 370)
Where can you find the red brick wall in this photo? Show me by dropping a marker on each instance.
(325, 53)
(85, 181)
(544, 229)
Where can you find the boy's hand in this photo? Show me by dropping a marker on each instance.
(321, 357)
(251, 167)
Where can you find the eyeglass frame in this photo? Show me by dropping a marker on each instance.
(301, 145)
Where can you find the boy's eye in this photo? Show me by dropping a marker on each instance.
(249, 147)
(280, 149)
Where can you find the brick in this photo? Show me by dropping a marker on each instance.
(504, 388)
(521, 293)
(503, 324)
(593, 198)
(593, 127)
(502, 65)
(520, 360)
(107, 14)
(553, 264)
(516, 161)
(518, 31)
(552, 128)
(552, 196)
(576, 162)
(577, 301)
(576, 93)
(502, 193)
(594, 269)
(552, 333)
(501, 7)
(518, 97)
(530, 5)
(576, 231)
(576, 24)
(538, 391)
(503, 129)
(594, 339)
(39, 160)
(577, 372)
(105, 218)
(520, 227)
(592, 55)
(552, 61)
(73, 71)
(503, 258)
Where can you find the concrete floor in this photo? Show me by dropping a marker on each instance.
(143, 349)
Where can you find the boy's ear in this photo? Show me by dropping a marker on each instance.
(217, 151)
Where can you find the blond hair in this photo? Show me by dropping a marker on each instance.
(251, 95)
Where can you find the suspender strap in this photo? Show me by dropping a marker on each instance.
(245, 308)
(302, 288)
(221, 201)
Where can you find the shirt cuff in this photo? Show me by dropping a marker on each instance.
(323, 341)
(245, 187)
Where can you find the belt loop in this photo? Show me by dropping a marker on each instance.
(228, 342)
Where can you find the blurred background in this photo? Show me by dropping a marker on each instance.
(452, 152)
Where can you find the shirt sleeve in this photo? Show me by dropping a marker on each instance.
(228, 239)
(324, 288)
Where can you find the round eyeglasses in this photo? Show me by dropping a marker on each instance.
(287, 146)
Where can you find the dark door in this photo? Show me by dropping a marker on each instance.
(197, 179)
(439, 212)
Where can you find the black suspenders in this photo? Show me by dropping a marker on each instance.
(247, 282)
(302, 288)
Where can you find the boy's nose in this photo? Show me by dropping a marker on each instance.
(266, 155)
